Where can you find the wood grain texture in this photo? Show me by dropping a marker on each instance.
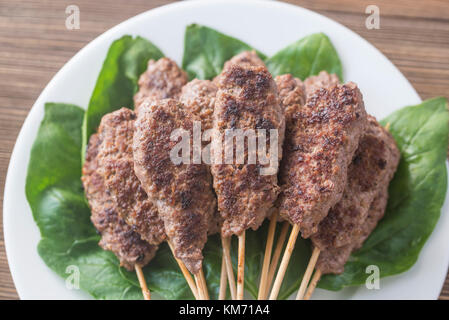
(35, 44)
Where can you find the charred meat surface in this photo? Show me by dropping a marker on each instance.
(353, 219)
(182, 192)
(375, 214)
(371, 169)
(115, 158)
(243, 59)
(116, 235)
(333, 260)
(247, 99)
(318, 151)
(322, 80)
(198, 96)
(292, 97)
(162, 79)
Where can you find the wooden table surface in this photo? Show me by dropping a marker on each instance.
(35, 44)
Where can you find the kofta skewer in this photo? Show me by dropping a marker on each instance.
(116, 235)
(292, 94)
(181, 190)
(318, 152)
(371, 169)
(350, 221)
(198, 98)
(245, 58)
(339, 256)
(248, 58)
(292, 97)
(163, 79)
(116, 166)
(247, 100)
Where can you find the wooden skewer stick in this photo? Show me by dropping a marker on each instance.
(308, 273)
(284, 263)
(143, 284)
(266, 260)
(199, 287)
(203, 282)
(186, 274)
(276, 256)
(241, 267)
(223, 280)
(313, 283)
(226, 244)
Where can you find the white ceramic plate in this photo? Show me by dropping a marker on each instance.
(266, 25)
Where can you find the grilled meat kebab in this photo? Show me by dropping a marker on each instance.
(245, 58)
(317, 152)
(321, 80)
(350, 222)
(116, 165)
(246, 99)
(198, 97)
(116, 235)
(162, 79)
(182, 192)
(292, 97)
(372, 168)
(333, 259)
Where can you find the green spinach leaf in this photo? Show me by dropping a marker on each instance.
(206, 50)
(306, 57)
(117, 83)
(416, 195)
